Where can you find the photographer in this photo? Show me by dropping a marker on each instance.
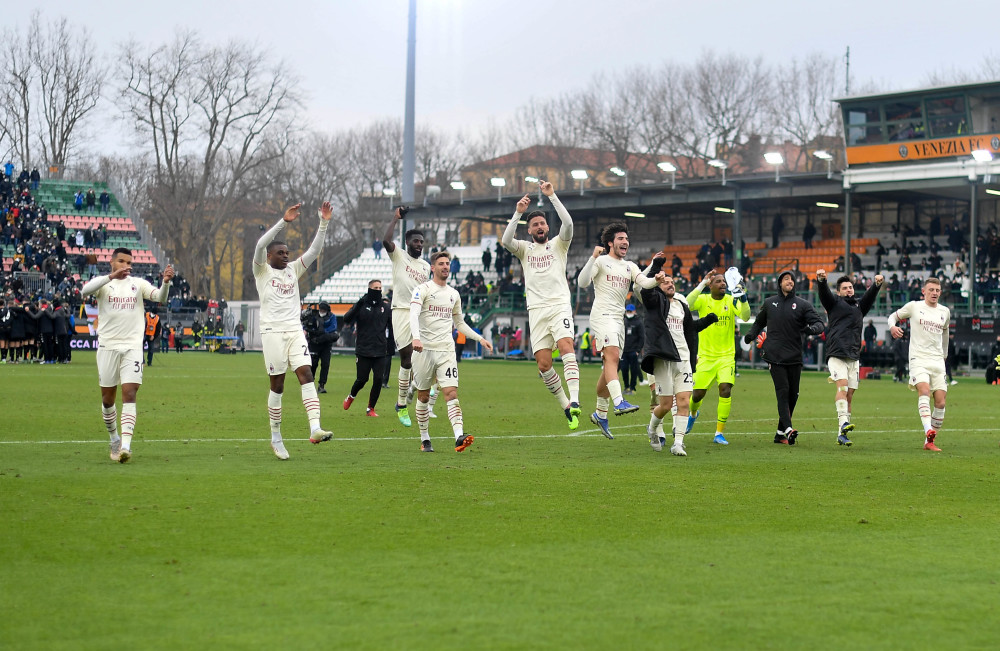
(372, 314)
(321, 332)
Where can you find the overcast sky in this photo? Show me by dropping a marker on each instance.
(478, 60)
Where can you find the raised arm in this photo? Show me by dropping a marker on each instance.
(699, 288)
(160, 295)
(589, 270)
(643, 278)
(95, 283)
(823, 290)
(507, 239)
(260, 251)
(390, 230)
(868, 300)
(565, 221)
(325, 214)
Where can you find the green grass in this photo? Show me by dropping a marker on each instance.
(531, 538)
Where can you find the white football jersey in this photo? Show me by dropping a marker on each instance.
(407, 273)
(121, 317)
(612, 281)
(928, 330)
(675, 324)
(440, 313)
(544, 268)
(279, 296)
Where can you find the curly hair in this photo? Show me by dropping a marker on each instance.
(609, 233)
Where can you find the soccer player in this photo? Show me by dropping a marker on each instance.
(845, 318)
(550, 313)
(716, 347)
(929, 323)
(408, 271)
(281, 333)
(670, 337)
(612, 276)
(435, 310)
(787, 317)
(120, 331)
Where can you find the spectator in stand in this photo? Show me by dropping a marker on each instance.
(91, 199)
(35, 177)
(456, 267)
(870, 336)
(675, 266)
(104, 235)
(487, 258)
(808, 233)
(78, 200)
(777, 226)
(377, 248)
(105, 201)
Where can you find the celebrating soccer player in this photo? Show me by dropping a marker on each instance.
(612, 276)
(550, 313)
(408, 271)
(121, 326)
(929, 322)
(716, 346)
(435, 310)
(845, 318)
(281, 333)
(671, 336)
(787, 317)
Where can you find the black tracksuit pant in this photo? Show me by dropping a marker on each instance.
(374, 366)
(786, 389)
(630, 369)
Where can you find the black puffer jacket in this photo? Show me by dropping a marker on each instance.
(845, 316)
(787, 318)
(372, 313)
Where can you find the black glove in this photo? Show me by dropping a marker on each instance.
(712, 317)
(747, 338)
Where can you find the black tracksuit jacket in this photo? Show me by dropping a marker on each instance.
(372, 317)
(845, 318)
(787, 319)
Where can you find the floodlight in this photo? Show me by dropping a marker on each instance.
(498, 182)
(774, 158)
(982, 155)
(579, 175)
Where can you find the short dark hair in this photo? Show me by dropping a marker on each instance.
(410, 233)
(535, 213)
(121, 249)
(373, 281)
(610, 231)
(439, 254)
(842, 280)
(273, 244)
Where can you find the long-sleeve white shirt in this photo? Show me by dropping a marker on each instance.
(121, 320)
(279, 288)
(612, 278)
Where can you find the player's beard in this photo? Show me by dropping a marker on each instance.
(540, 239)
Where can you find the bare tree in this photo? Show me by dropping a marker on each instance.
(801, 107)
(70, 78)
(16, 86)
(210, 117)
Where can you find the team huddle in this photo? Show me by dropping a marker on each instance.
(684, 355)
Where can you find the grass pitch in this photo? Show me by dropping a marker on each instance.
(531, 538)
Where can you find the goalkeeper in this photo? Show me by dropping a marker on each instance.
(716, 345)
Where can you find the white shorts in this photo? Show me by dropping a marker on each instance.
(672, 377)
(844, 369)
(401, 327)
(431, 365)
(933, 373)
(116, 367)
(284, 350)
(607, 331)
(550, 324)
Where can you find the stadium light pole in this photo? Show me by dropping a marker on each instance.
(775, 158)
(535, 179)
(824, 155)
(980, 156)
(409, 120)
(581, 176)
(721, 165)
(669, 167)
(618, 171)
(498, 183)
(458, 185)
